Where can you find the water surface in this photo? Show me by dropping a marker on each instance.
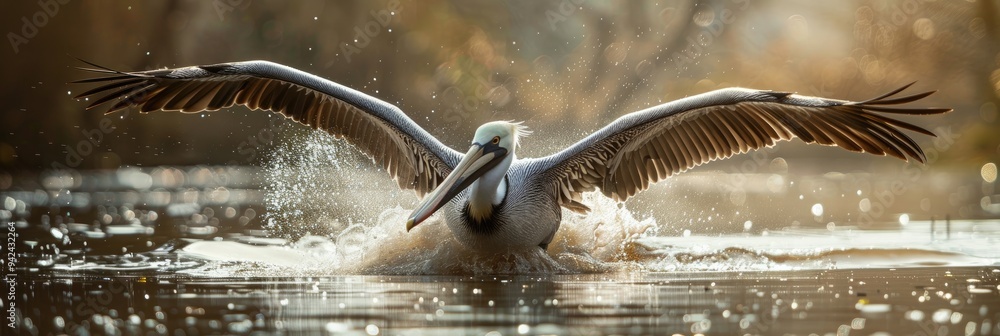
(928, 301)
(238, 250)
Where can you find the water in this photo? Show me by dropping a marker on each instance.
(314, 241)
(928, 301)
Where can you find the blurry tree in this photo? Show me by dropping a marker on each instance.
(566, 67)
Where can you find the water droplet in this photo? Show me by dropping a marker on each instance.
(817, 210)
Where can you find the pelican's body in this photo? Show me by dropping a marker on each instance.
(521, 220)
(490, 199)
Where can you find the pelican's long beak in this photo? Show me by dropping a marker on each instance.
(479, 160)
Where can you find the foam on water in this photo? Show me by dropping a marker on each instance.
(600, 242)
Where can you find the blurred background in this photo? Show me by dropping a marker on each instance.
(566, 68)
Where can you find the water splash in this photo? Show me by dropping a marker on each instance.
(332, 203)
(343, 216)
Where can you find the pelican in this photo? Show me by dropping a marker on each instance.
(492, 200)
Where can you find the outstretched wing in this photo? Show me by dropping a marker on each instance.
(644, 147)
(412, 156)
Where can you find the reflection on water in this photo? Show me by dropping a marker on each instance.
(927, 301)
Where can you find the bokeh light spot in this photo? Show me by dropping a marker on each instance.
(989, 172)
(817, 209)
(798, 27)
(865, 205)
(924, 28)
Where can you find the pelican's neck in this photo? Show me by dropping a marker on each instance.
(489, 190)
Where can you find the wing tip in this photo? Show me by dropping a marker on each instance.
(881, 103)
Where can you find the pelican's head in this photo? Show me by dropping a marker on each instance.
(492, 145)
(505, 133)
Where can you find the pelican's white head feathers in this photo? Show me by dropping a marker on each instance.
(508, 132)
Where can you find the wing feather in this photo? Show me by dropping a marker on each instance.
(392, 140)
(644, 147)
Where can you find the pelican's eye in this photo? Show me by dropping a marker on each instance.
(496, 140)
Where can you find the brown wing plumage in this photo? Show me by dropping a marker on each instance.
(409, 154)
(648, 146)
